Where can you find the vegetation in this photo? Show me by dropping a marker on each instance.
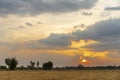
(48, 65)
(37, 64)
(3, 67)
(11, 63)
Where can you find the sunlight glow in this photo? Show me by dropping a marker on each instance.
(84, 60)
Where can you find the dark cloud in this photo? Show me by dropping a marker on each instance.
(100, 31)
(77, 26)
(87, 13)
(29, 24)
(112, 8)
(58, 41)
(21, 26)
(107, 33)
(33, 7)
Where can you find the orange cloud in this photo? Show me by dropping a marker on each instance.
(81, 43)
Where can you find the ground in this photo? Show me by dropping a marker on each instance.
(61, 75)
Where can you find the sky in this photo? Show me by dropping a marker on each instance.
(66, 32)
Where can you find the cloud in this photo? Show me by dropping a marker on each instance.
(113, 8)
(114, 54)
(87, 13)
(54, 41)
(39, 23)
(16, 28)
(77, 26)
(100, 31)
(106, 33)
(105, 14)
(29, 24)
(34, 7)
(21, 26)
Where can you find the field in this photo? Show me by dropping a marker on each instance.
(61, 75)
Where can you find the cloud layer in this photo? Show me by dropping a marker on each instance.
(106, 33)
(112, 8)
(33, 7)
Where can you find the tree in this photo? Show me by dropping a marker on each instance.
(32, 65)
(48, 65)
(37, 64)
(11, 63)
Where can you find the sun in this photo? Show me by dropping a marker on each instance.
(84, 60)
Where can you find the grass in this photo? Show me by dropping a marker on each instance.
(61, 75)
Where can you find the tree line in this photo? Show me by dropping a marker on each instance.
(13, 62)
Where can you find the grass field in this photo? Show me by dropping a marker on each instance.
(61, 75)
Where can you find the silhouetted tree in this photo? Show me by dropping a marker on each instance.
(22, 67)
(37, 64)
(80, 66)
(3, 67)
(48, 65)
(11, 63)
(32, 65)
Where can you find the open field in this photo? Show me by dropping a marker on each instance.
(61, 75)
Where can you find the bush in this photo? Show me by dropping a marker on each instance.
(48, 65)
(3, 67)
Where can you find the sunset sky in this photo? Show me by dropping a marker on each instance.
(67, 32)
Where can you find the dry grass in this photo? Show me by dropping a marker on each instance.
(61, 75)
